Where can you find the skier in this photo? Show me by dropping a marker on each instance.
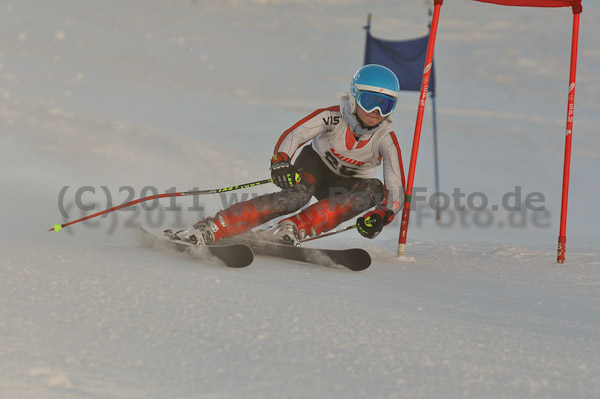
(349, 141)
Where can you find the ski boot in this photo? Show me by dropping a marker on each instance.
(286, 232)
(200, 234)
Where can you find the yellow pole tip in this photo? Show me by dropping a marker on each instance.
(57, 227)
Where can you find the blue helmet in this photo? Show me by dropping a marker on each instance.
(374, 87)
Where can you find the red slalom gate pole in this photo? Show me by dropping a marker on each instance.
(58, 227)
(562, 235)
(418, 126)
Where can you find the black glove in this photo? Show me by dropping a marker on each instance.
(283, 173)
(371, 223)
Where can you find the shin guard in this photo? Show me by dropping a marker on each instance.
(326, 214)
(243, 216)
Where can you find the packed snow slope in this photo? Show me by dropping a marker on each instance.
(102, 102)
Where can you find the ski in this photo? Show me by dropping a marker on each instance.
(355, 259)
(236, 255)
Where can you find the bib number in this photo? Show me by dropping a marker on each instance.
(341, 169)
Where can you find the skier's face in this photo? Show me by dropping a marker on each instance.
(369, 119)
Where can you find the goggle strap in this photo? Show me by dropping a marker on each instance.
(376, 89)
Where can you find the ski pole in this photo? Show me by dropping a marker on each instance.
(58, 227)
(330, 233)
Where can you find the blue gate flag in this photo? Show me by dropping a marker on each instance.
(406, 58)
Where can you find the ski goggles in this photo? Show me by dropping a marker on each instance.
(370, 101)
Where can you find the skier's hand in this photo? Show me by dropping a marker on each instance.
(283, 173)
(371, 223)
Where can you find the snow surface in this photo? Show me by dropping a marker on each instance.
(187, 94)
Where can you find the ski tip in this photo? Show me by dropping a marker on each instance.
(361, 261)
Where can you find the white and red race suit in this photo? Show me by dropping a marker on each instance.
(347, 154)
